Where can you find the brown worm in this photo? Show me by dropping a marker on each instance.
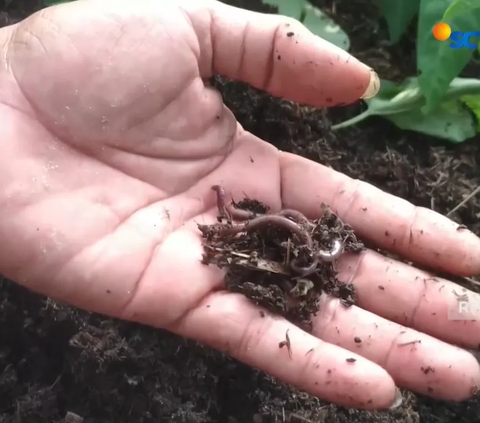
(253, 221)
(269, 219)
(229, 211)
(239, 214)
(304, 270)
(326, 256)
(277, 220)
(334, 253)
(299, 217)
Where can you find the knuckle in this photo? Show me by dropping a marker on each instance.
(326, 316)
(350, 266)
(250, 337)
(347, 197)
(408, 240)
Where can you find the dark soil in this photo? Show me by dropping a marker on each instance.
(56, 360)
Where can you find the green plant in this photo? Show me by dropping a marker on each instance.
(314, 19)
(402, 104)
(54, 2)
(438, 102)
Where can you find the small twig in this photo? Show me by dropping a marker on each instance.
(471, 281)
(416, 341)
(465, 201)
(257, 264)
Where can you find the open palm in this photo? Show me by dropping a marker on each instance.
(112, 140)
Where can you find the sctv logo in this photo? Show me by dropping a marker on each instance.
(459, 39)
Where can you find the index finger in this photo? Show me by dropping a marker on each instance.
(279, 55)
(394, 224)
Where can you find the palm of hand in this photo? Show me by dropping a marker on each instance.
(119, 144)
(124, 148)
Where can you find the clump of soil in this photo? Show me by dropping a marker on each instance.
(274, 261)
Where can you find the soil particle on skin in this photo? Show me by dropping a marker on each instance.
(58, 363)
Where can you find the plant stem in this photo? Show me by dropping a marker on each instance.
(352, 121)
(468, 88)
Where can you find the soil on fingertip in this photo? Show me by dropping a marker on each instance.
(60, 364)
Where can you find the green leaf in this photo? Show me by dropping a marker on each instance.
(314, 19)
(395, 98)
(460, 7)
(321, 25)
(391, 99)
(292, 9)
(54, 2)
(398, 14)
(473, 103)
(450, 121)
(437, 63)
(402, 104)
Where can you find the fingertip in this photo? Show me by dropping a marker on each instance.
(316, 72)
(454, 374)
(374, 385)
(373, 86)
(467, 371)
(438, 242)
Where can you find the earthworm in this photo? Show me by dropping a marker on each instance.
(323, 255)
(228, 210)
(232, 212)
(268, 219)
(299, 217)
(304, 270)
(253, 221)
(279, 221)
(334, 253)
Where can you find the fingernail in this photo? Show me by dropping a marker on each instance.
(397, 401)
(373, 86)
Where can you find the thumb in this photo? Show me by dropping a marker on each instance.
(277, 54)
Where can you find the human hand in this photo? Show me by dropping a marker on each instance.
(111, 144)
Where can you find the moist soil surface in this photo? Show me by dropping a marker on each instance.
(58, 362)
